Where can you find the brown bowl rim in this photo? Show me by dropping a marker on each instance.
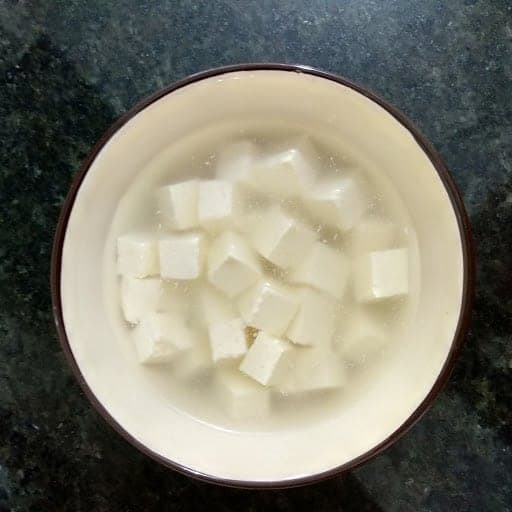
(467, 293)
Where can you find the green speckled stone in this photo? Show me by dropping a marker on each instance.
(69, 68)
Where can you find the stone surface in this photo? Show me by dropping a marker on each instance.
(70, 68)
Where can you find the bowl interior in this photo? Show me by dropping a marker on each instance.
(382, 398)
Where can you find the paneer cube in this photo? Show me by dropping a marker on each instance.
(177, 204)
(323, 268)
(140, 297)
(315, 320)
(235, 161)
(227, 339)
(137, 255)
(219, 202)
(267, 361)
(280, 238)
(340, 203)
(268, 306)
(181, 256)
(382, 275)
(364, 337)
(290, 172)
(315, 369)
(195, 363)
(372, 234)
(242, 397)
(232, 264)
(159, 337)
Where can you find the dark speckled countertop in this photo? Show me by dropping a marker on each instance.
(69, 68)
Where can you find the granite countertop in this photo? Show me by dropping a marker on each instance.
(69, 68)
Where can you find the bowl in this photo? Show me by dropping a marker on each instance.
(393, 394)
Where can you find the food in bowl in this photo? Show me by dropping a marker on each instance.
(272, 271)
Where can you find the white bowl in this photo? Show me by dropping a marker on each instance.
(384, 404)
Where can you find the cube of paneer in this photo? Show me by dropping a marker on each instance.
(268, 306)
(382, 275)
(195, 363)
(140, 296)
(232, 264)
(364, 337)
(280, 238)
(212, 306)
(242, 397)
(181, 256)
(159, 337)
(372, 234)
(219, 202)
(315, 320)
(235, 161)
(340, 203)
(323, 268)
(227, 339)
(290, 172)
(137, 255)
(268, 359)
(177, 204)
(315, 369)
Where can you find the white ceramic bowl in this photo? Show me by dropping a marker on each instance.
(385, 404)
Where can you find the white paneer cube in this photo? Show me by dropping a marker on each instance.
(140, 296)
(372, 234)
(382, 275)
(195, 363)
(290, 172)
(241, 396)
(268, 306)
(137, 255)
(177, 204)
(364, 338)
(315, 320)
(181, 256)
(315, 369)
(219, 202)
(268, 359)
(340, 203)
(323, 268)
(159, 337)
(212, 306)
(280, 238)
(227, 339)
(232, 264)
(235, 161)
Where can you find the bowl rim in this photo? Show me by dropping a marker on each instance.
(467, 287)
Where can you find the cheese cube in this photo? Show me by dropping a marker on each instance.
(235, 161)
(268, 306)
(363, 338)
(340, 203)
(195, 363)
(227, 339)
(382, 274)
(137, 255)
(280, 238)
(288, 173)
(232, 264)
(159, 337)
(139, 297)
(212, 306)
(267, 361)
(177, 204)
(323, 268)
(181, 256)
(242, 397)
(219, 202)
(314, 322)
(315, 369)
(372, 234)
